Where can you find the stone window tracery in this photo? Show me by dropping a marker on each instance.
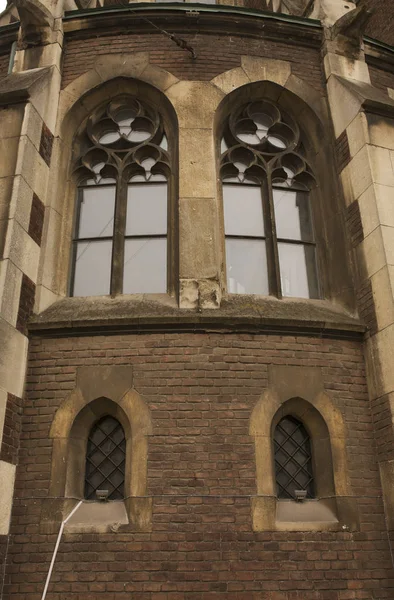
(122, 170)
(266, 180)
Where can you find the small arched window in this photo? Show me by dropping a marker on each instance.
(105, 459)
(266, 179)
(122, 171)
(293, 459)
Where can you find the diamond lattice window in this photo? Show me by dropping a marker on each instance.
(105, 459)
(293, 459)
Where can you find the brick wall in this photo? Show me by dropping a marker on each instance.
(381, 79)
(381, 25)
(215, 54)
(201, 390)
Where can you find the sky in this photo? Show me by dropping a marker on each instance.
(2, 4)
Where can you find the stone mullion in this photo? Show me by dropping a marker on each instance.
(119, 236)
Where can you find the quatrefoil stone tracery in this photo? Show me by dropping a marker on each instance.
(125, 137)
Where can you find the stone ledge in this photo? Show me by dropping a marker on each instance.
(148, 313)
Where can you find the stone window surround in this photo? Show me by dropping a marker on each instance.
(201, 281)
(99, 391)
(299, 391)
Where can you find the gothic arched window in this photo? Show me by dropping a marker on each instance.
(293, 459)
(122, 172)
(270, 245)
(105, 459)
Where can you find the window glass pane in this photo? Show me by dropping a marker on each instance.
(246, 267)
(145, 266)
(298, 270)
(92, 274)
(146, 209)
(96, 214)
(243, 210)
(292, 215)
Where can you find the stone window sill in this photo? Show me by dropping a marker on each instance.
(160, 312)
(333, 514)
(98, 517)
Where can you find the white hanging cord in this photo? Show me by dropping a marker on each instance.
(57, 547)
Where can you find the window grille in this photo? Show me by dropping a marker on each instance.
(105, 459)
(293, 459)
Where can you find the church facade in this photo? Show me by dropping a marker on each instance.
(196, 300)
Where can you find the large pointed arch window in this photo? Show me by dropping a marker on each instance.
(266, 180)
(122, 171)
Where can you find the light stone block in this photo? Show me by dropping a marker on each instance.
(8, 153)
(383, 343)
(198, 233)
(44, 298)
(197, 164)
(7, 480)
(369, 210)
(22, 250)
(381, 165)
(344, 106)
(5, 196)
(231, 80)
(57, 244)
(381, 131)
(32, 125)
(45, 97)
(336, 64)
(21, 201)
(188, 293)
(13, 353)
(357, 134)
(11, 118)
(158, 77)
(131, 64)
(383, 298)
(195, 103)
(260, 69)
(10, 285)
(360, 173)
(374, 251)
(388, 242)
(3, 405)
(32, 167)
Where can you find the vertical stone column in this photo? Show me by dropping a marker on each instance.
(28, 107)
(199, 238)
(363, 119)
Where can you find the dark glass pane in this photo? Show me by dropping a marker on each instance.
(105, 459)
(293, 459)
(246, 266)
(298, 270)
(92, 269)
(243, 210)
(145, 266)
(292, 215)
(96, 212)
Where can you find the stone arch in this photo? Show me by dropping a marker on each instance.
(112, 75)
(298, 391)
(99, 391)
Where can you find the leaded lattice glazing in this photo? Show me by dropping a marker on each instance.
(270, 246)
(122, 171)
(293, 459)
(105, 459)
